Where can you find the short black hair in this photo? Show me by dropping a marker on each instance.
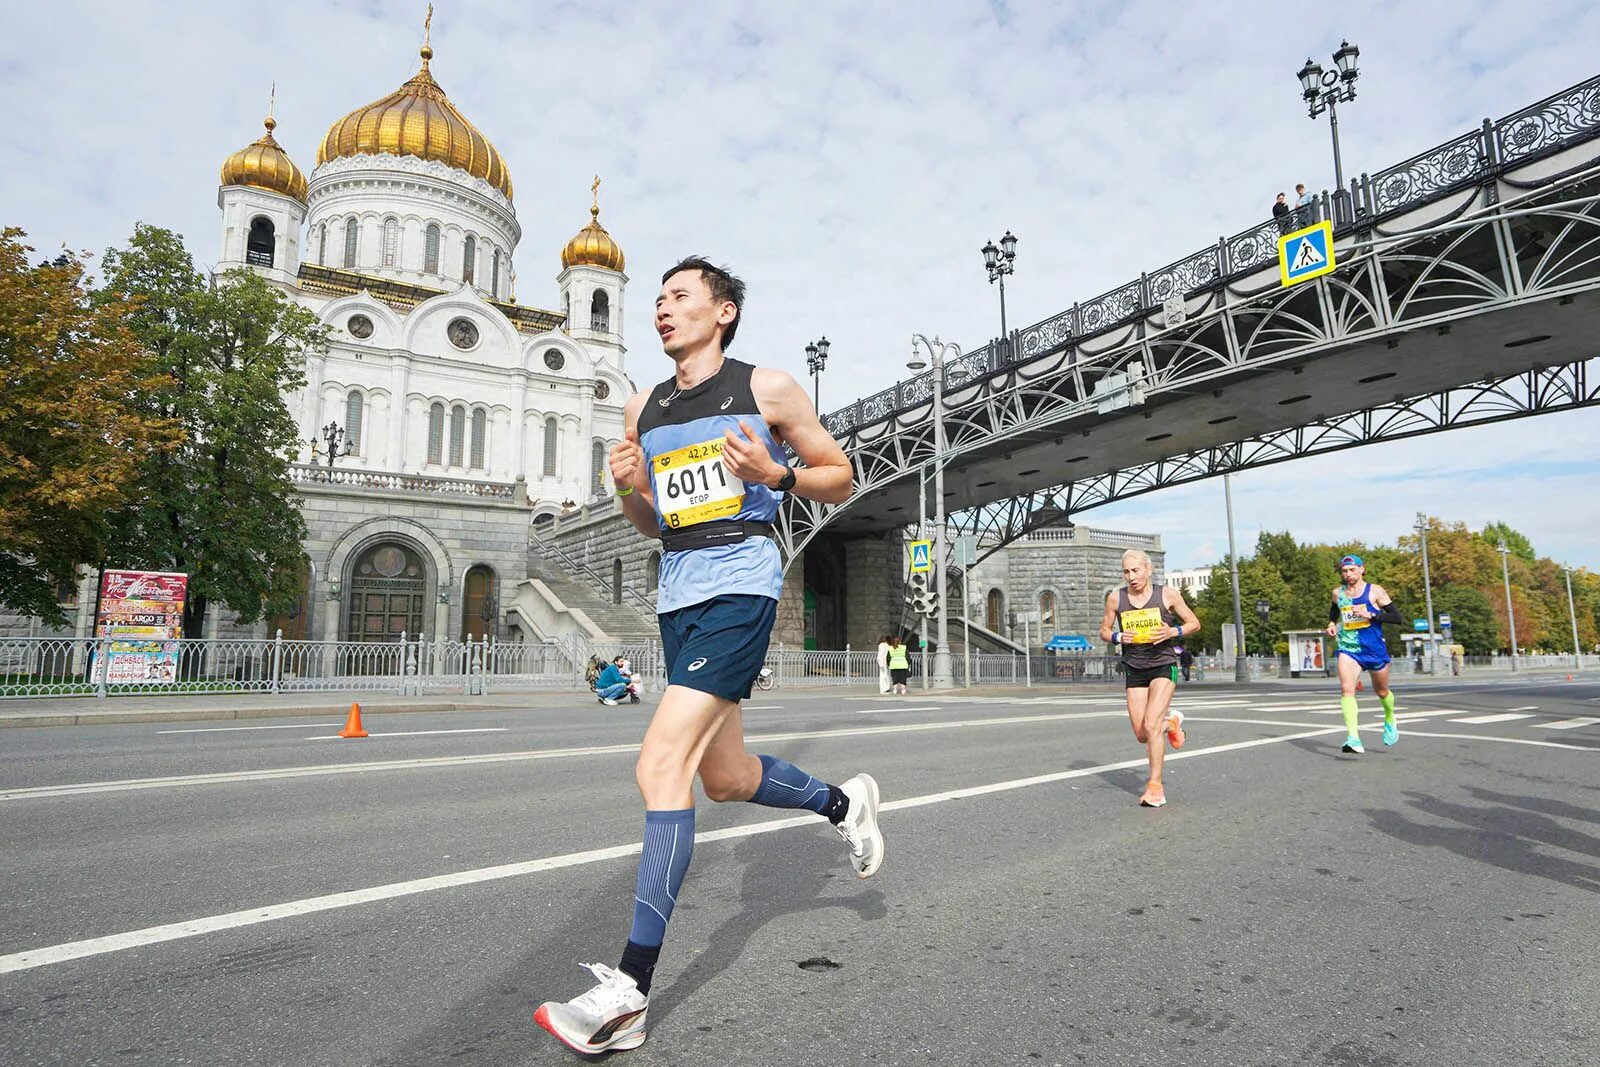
(724, 286)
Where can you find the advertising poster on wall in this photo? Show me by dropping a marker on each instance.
(142, 613)
(1306, 652)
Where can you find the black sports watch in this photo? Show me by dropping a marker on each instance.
(786, 483)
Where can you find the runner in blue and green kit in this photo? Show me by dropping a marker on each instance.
(1355, 620)
(702, 468)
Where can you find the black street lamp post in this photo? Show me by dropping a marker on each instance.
(1324, 91)
(332, 433)
(1000, 262)
(816, 361)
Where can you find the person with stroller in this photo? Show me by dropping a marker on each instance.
(616, 682)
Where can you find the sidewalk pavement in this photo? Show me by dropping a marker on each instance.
(181, 707)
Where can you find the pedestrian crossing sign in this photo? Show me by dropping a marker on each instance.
(921, 557)
(1306, 253)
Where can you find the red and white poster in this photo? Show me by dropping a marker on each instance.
(142, 612)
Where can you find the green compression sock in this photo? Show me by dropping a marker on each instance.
(1348, 706)
(1387, 700)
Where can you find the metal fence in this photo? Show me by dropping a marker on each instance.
(44, 667)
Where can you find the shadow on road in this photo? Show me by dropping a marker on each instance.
(1509, 836)
(779, 880)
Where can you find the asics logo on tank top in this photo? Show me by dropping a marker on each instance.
(726, 404)
(697, 664)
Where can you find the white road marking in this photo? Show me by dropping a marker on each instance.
(1530, 707)
(763, 707)
(886, 711)
(41, 957)
(1501, 740)
(1502, 716)
(1567, 724)
(414, 733)
(230, 729)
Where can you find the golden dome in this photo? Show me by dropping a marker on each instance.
(265, 165)
(592, 246)
(417, 120)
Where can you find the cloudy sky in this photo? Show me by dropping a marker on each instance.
(849, 160)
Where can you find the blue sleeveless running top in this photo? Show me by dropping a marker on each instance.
(1356, 635)
(681, 432)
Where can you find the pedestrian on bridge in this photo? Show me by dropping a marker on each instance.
(1145, 621)
(1280, 209)
(899, 664)
(702, 467)
(885, 681)
(1355, 619)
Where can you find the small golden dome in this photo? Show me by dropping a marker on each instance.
(592, 246)
(417, 120)
(265, 165)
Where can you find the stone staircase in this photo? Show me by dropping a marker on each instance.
(557, 600)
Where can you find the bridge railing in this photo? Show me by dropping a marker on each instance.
(1554, 124)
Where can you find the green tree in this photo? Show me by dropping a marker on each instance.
(221, 507)
(71, 434)
(1518, 544)
(1473, 624)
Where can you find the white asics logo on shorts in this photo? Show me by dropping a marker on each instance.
(697, 664)
(726, 404)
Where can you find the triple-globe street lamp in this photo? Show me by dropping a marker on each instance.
(816, 362)
(334, 434)
(1325, 91)
(1000, 262)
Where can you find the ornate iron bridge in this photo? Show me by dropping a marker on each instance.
(1468, 291)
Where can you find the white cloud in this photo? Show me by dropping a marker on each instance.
(849, 159)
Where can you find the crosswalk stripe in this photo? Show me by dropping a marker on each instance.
(1568, 724)
(1483, 720)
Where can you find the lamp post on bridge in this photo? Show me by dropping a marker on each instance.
(1000, 262)
(1324, 91)
(943, 668)
(1572, 616)
(816, 362)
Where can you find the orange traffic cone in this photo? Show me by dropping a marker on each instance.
(352, 725)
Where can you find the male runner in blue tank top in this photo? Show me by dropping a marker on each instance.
(702, 467)
(1145, 620)
(1355, 620)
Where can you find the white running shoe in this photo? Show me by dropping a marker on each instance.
(860, 826)
(609, 1016)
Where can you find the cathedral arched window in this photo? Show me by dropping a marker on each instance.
(597, 460)
(259, 246)
(351, 231)
(469, 258)
(354, 407)
(480, 438)
(1047, 612)
(430, 249)
(566, 311)
(551, 431)
(458, 435)
(600, 312)
(391, 242)
(322, 245)
(436, 433)
(494, 279)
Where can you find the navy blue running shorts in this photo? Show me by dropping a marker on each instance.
(719, 645)
(1368, 662)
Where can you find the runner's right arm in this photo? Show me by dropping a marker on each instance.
(628, 470)
(1108, 624)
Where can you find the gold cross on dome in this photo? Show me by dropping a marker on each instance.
(595, 189)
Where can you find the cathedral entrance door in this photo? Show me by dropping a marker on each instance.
(388, 592)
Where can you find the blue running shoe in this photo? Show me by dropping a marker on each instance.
(1353, 744)
(1391, 733)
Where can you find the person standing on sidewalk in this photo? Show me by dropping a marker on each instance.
(702, 467)
(899, 659)
(1144, 621)
(1355, 619)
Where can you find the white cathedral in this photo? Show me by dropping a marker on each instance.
(465, 414)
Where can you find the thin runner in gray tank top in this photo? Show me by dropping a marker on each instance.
(1144, 656)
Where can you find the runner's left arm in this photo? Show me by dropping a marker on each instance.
(827, 474)
(1188, 624)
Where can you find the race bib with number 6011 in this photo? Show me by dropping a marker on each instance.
(692, 485)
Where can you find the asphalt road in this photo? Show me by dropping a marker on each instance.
(194, 893)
